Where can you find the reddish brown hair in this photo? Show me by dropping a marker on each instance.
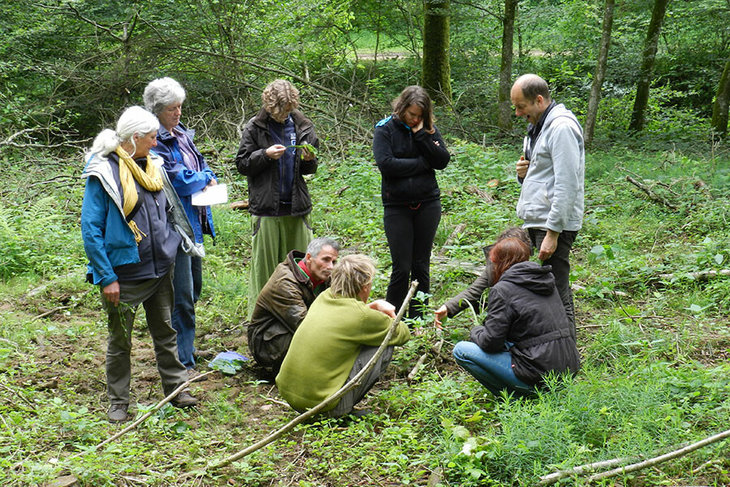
(507, 253)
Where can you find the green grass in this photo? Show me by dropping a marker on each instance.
(655, 351)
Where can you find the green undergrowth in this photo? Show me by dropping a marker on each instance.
(652, 330)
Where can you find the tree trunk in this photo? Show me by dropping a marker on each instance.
(647, 65)
(436, 66)
(504, 115)
(600, 75)
(722, 101)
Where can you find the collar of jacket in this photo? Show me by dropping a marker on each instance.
(292, 260)
(164, 135)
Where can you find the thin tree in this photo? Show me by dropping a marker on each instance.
(647, 65)
(504, 114)
(600, 74)
(436, 65)
(722, 101)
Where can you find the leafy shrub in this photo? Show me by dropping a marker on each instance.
(36, 240)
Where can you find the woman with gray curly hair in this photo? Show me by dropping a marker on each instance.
(274, 154)
(189, 173)
(131, 245)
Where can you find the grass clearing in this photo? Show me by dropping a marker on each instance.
(656, 350)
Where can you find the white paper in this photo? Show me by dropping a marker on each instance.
(214, 195)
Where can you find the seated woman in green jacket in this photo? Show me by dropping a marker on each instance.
(339, 335)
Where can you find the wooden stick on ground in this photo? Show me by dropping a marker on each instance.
(661, 458)
(652, 195)
(436, 349)
(333, 398)
(149, 413)
(580, 470)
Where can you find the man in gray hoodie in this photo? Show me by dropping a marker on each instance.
(551, 173)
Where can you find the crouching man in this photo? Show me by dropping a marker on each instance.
(337, 338)
(285, 299)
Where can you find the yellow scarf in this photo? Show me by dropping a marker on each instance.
(129, 171)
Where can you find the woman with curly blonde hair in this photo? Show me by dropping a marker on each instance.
(274, 155)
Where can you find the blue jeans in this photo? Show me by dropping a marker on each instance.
(188, 280)
(493, 370)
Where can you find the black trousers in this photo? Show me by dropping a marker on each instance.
(561, 266)
(410, 231)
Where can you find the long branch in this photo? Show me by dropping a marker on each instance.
(661, 458)
(330, 400)
(147, 414)
(580, 470)
(274, 70)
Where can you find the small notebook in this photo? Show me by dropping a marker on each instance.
(214, 195)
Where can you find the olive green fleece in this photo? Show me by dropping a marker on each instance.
(325, 346)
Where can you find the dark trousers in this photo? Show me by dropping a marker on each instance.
(561, 266)
(355, 395)
(156, 295)
(410, 231)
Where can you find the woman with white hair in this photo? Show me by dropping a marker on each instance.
(131, 247)
(189, 173)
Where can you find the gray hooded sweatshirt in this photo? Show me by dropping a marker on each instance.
(552, 191)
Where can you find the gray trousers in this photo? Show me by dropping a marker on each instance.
(156, 295)
(355, 395)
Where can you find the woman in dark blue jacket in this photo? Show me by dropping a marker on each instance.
(408, 150)
(527, 333)
(189, 174)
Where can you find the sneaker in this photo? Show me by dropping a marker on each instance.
(194, 375)
(118, 413)
(184, 400)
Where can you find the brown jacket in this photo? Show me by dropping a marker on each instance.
(281, 306)
(263, 173)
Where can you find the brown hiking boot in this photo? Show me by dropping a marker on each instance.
(184, 400)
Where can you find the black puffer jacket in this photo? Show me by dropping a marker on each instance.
(408, 162)
(263, 173)
(525, 309)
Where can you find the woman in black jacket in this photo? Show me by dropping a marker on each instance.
(408, 149)
(526, 333)
(274, 156)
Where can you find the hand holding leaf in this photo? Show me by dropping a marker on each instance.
(309, 152)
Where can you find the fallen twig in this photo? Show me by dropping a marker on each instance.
(698, 276)
(43, 315)
(436, 349)
(330, 400)
(455, 233)
(652, 195)
(580, 470)
(147, 414)
(661, 458)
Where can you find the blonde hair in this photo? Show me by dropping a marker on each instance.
(351, 274)
(280, 97)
